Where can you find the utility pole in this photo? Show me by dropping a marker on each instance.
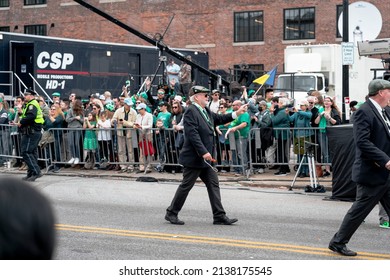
(345, 67)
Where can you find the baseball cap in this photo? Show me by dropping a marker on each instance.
(56, 94)
(376, 85)
(251, 92)
(141, 106)
(178, 98)
(128, 101)
(110, 107)
(29, 91)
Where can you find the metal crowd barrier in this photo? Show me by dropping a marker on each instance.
(10, 147)
(159, 149)
(266, 149)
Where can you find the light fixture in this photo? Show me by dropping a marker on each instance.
(108, 53)
(52, 25)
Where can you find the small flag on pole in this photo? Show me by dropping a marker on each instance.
(267, 79)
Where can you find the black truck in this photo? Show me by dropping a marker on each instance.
(49, 64)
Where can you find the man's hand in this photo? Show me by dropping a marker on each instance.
(388, 165)
(242, 109)
(148, 83)
(207, 157)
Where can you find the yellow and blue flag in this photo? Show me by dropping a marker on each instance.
(267, 79)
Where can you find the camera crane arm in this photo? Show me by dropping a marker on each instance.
(152, 41)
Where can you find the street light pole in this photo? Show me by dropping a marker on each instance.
(345, 67)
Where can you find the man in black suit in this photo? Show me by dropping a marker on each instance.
(370, 170)
(196, 155)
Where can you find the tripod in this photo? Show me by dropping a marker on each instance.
(309, 155)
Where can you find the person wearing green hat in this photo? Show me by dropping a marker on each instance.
(56, 98)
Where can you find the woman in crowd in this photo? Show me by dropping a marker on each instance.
(176, 135)
(54, 121)
(262, 134)
(75, 120)
(328, 115)
(302, 132)
(144, 125)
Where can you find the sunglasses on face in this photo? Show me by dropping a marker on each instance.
(174, 107)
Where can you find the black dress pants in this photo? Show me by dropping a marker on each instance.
(366, 199)
(210, 178)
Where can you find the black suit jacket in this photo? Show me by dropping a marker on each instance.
(372, 139)
(199, 136)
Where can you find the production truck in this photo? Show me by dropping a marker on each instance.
(319, 67)
(51, 64)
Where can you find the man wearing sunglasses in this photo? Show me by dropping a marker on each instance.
(196, 155)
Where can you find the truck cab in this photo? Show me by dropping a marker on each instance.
(297, 85)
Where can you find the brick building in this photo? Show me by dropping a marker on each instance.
(232, 32)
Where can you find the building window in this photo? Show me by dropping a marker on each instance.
(34, 2)
(5, 28)
(39, 29)
(4, 3)
(299, 24)
(248, 27)
(339, 10)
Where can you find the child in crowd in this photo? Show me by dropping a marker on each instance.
(90, 140)
(104, 138)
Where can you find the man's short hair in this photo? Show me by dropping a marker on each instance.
(26, 222)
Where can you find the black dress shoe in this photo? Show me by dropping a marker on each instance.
(173, 219)
(341, 249)
(34, 177)
(25, 178)
(224, 220)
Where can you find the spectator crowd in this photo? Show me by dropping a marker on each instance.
(140, 132)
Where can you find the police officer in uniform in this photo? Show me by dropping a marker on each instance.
(30, 126)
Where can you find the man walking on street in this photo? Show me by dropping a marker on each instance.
(30, 127)
(196, 155)
(370, 170)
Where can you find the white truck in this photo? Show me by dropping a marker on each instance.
(319, 67)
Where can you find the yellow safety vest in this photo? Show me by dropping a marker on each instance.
(39, 117)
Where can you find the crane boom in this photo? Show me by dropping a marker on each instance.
(154, 42)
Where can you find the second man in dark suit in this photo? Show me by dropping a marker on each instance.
(370, 170)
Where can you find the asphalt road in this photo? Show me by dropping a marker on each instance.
(114, 219)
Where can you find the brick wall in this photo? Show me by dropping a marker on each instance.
(196, 23)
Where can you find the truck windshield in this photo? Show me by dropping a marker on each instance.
(300, 83)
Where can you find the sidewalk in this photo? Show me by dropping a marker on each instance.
(267, 179)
